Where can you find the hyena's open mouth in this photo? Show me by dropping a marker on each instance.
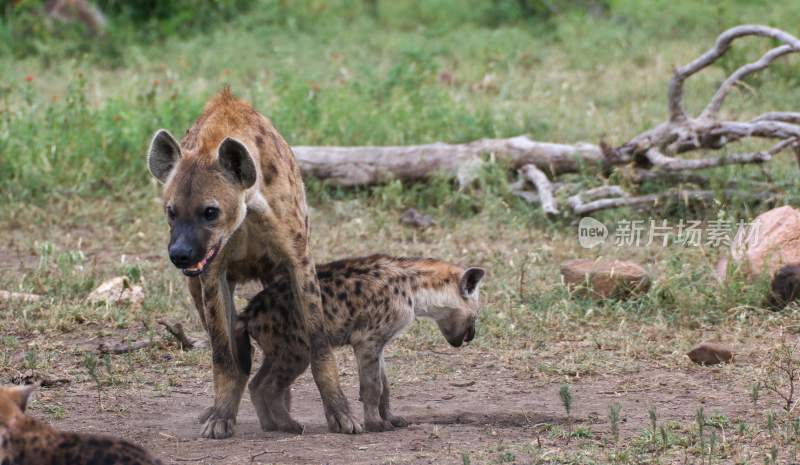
(200, 267)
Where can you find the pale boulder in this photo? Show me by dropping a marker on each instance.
(772, 241)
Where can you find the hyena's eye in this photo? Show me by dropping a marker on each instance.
(170, 212)
(211, 213)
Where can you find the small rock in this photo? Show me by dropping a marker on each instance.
(606, 278)
(785, 287)
(412, 217)
(118, 290)
(709, 353)
(447, 78)
(772, 241)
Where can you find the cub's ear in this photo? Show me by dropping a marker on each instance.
(21, 394)
(237, 163)
(163, 155)
(470, 280)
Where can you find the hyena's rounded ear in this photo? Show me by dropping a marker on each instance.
(21, 394)
(163, 155)
(470, 280)
(236, 161)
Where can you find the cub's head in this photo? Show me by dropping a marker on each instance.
(456, 306)
(13, 400)
(204, 197)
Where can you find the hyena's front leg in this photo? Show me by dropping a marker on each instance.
(371, 386)
(229, 375)
(323, 360)
(384, 407)
(196, 291)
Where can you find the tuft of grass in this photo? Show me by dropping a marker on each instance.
(613, 420)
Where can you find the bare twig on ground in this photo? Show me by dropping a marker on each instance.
(19, 296)
(264, 452)
(176, 330)
(199, 459)
(123, 347)
(783, 375)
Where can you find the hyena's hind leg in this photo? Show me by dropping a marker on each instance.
(385, 407)
(272, 393)
(371, 386)
(259, 400)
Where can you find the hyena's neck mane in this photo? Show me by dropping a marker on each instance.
(223, 116)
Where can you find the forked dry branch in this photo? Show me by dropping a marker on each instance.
(653, 154)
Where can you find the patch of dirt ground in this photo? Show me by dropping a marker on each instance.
(474, 404)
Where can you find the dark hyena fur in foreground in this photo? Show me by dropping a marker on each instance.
(27, 441)
(367, 302)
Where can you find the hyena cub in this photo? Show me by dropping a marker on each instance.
(366, 303)
(26, 441)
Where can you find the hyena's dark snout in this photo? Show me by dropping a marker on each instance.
(184, 247)
(181, 253)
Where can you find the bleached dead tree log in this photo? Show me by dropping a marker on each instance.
(359, 166)
(653, 155)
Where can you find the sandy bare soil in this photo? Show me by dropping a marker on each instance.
(474, 405)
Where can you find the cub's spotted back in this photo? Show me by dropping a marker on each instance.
(366, 303)
(26, 441)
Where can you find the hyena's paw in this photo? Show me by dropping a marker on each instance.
(290, 426)
(205, 415)
(397, 421)
(218, 428)
(343, 422)
(378, 425)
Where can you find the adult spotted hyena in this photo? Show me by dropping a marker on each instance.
(236, 208)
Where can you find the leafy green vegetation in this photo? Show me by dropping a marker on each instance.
(75, 118)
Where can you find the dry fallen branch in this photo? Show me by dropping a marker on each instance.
(679, 164)
(543, 187)
(580, 207)
(19, 296)
(123, 347)
(185, 342)
(654, 151)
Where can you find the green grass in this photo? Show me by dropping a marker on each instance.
(340, 73)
